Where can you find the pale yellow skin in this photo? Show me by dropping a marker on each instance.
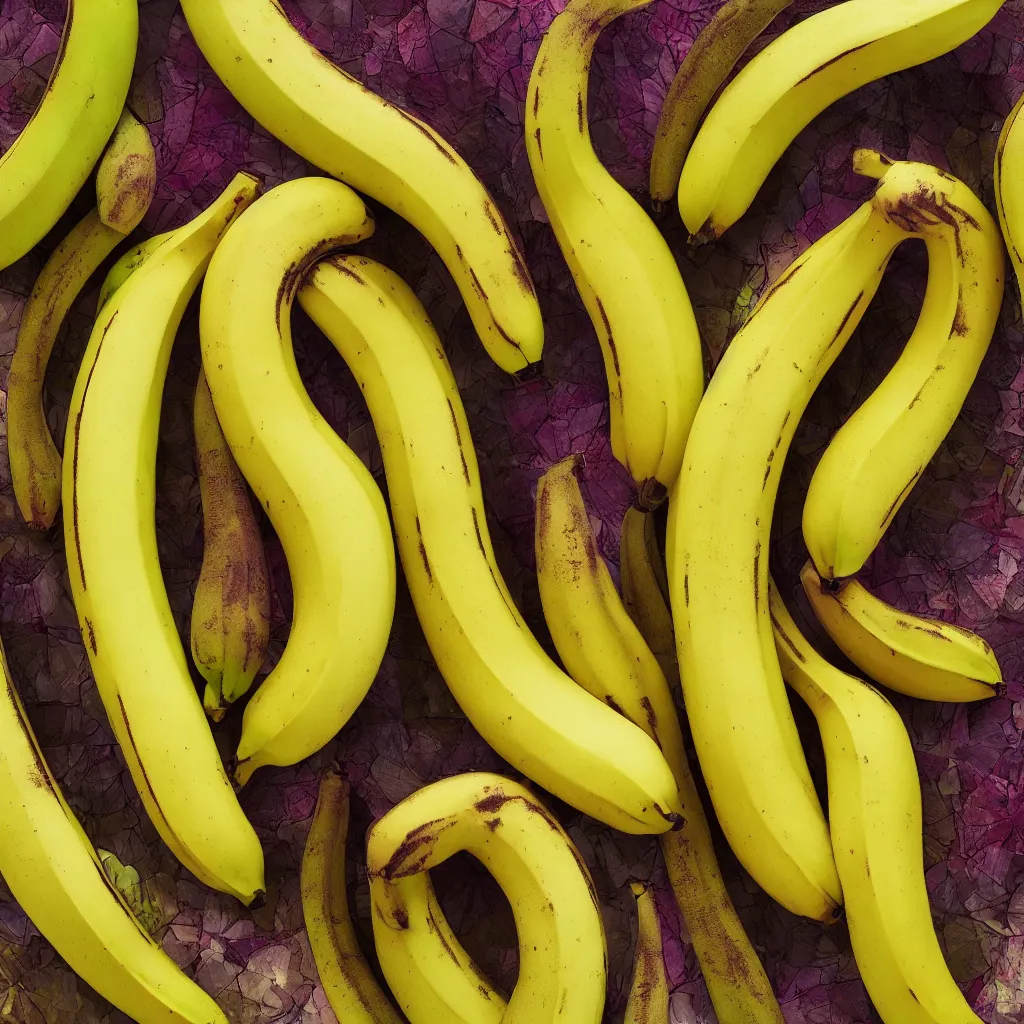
(1008, 183)
(648, 992)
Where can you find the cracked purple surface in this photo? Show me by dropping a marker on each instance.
(956, 549)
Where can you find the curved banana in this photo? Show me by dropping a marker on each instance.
(110, 535)
(324, 505)
(1009, 187)
(878, 454)
(707, 64)
(562, 951)
(339, 125)
(522, 704)
(874, 803)
(626, 275)
(126, 175)
(230, 625)
(924, 658)
(796, 77)
(127, 265)
(57, 878)
(53, 157)
(648, 993)
(351, 988)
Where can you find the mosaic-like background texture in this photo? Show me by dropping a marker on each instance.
(955, 550)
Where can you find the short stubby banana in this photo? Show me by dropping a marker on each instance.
(127, 264)
(519, 701)
(623, 268)
(54, 155)
(648, 1001)
(56, 876)
(924, 658)
(878, 454)
(562, 952)
(230, 625)
(874, 804)
(1008, 183)
(126, 175)
(797, 76)
(345, 129)
(113, 564)
(322, 501)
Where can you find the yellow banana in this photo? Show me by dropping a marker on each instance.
(127, 265)
(1009, 188)
(648, 993)
(126, 176)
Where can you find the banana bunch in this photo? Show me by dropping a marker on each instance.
(1009, 188)
(797, 76)
(562, 952)
(874, 801)
(321, 499)
(625, 273)
(522, 704)
(110, 536)
(339, 125)
(648, 992)
(125, 184)
(53, 157)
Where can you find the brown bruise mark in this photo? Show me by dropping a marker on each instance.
(686, 589)
(493, 824)
(768, 469)
(90, 634)
(585, 872)
(138, 759)
(433, 926)
(960, 326)
(540, 146)
(839, 56)
(757, 572)
(614, 705)
(422, 836)
(536, 100)
(652, 718)
(134, 183)
(512, 610)
(479, 535)
(423, 553)
(579, 112)
(899, 497)
(476, 283)
(494, 802)
(341, 265)
(462, 452)
(787, 640)
(603, 313)
(921, 209)
(295, 274)
(845, 320)
(401, 916)
(428, 133)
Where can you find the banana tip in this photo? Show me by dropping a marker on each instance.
(259, 900)
(531, 371)
(650, 494)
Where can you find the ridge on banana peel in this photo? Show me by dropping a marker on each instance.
(1008, 184)
(341, 126)
(57, 877)
(126, 265)
(49, 162)
(875, 458)
(110, 535)
(874, 800)
(322, 501)
(793, 79)
(925, 658)
(520, 702)
(562, 952)
(626, 275)
(648, 1001)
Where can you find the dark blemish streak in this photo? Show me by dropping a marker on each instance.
(838, 57)
(602, 312)
(462, 453)
(423, 553)
(784, 636)
(91, 633)
(899, 497)
(428, 133)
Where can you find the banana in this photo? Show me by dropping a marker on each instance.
(520, 702)
(53, 157)
(231, 609)
(126, 175)
(56, 876)
(924, 658)
(878, 454)
(322, 501)
(339, 125)
(351, 988)
(1009, 188)
(648, 993)
(127, 265)
(707, 64)
(606, 654)
(874, 801)
(562, 952)
(110, 535)
(623, 268)
(779, 92)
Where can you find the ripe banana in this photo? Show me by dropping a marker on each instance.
(1009, 188)
(324, 505)
(924, 658)
(604, 652)
(562, 951)
(56, 876)
(648, 993)
(874, 802)
(522, 704)
(126, 175)
(706, 66)
(127, 265)
(231, 608)
(878, 454)
(626, 275)
(796, 77)
(351, 988)
(373, 145)
(53, 157)
(110, 535)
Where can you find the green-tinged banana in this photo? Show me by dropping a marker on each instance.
(126, 175)
(648, 993)
(54, 155)
(924, 658)
(562, 952)
(878, 454)
(606, 654)
(706, 66)
(1008, 183)
(623, 268)
(56, 876)
(351, 988)
(322, 501)
(797, 76)
(874, 803)
(127, 265)
(110, 535)
(339, 125)
(522, 704)
(231, 610)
